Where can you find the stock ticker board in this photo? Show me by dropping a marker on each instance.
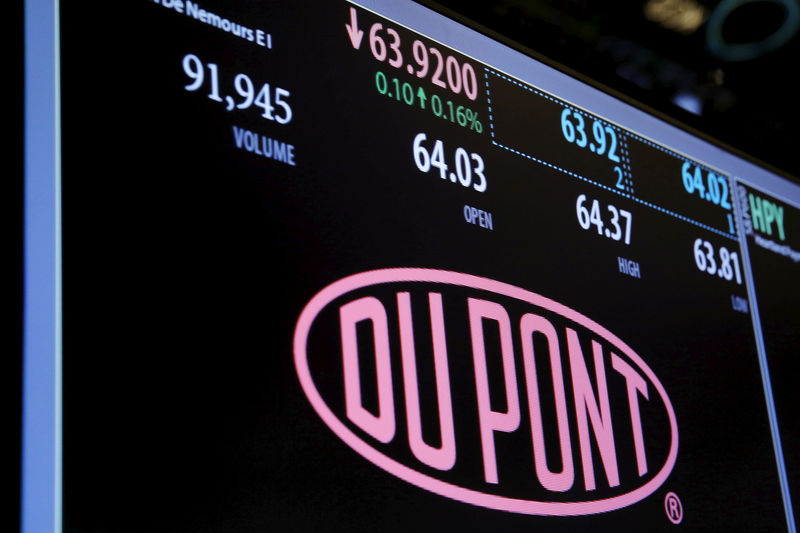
(355, 267)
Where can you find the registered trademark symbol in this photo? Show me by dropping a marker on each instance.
(673, 507)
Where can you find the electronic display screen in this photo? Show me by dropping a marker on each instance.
(304, 266)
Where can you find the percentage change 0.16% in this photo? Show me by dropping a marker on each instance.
(416, 96)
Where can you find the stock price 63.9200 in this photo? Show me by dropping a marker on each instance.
(444, 70)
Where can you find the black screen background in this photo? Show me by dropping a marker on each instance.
(187, 263)
(778, 303)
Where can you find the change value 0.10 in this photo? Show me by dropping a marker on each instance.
(266, 97)
(405, 92)
(592, 216)
(705, 258)
(468, 167)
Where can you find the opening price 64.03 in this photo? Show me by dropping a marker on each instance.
(468, 168)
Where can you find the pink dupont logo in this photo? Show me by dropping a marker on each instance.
(374, 430)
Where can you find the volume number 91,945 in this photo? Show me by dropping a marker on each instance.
(468, 167)
(587, 217)
(243, 86)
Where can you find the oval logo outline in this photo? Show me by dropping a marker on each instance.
(429, 483)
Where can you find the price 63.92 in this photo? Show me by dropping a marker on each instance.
(588, 217)
(603, 141)
(444, 70)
